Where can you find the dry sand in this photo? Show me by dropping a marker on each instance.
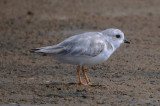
(130, 77)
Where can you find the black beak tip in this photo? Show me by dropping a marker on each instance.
(126, 41)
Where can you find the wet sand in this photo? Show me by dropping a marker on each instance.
(131, 76)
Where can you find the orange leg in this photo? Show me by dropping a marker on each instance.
(88, 82)
(78, 72)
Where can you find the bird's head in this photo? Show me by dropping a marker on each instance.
(115, 37)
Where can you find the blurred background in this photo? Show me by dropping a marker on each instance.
(130, 76)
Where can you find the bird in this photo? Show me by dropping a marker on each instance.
(88, 48)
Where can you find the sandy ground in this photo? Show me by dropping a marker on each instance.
(130, 77)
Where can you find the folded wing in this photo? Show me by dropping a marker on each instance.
(88, 44)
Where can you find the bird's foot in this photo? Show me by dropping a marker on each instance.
(81, 83)
(89, 83)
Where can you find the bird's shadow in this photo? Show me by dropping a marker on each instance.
(66, 90)
(72, 84)
(60, 83)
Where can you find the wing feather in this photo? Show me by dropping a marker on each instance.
(88, 44)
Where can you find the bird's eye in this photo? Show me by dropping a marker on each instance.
(118, 36)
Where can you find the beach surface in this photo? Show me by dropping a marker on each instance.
(131, 76)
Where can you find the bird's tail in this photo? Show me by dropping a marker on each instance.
(36, 50)
(47, 50)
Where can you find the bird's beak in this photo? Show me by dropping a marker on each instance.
(126, 41)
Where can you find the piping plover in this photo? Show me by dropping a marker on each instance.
(86, 48)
